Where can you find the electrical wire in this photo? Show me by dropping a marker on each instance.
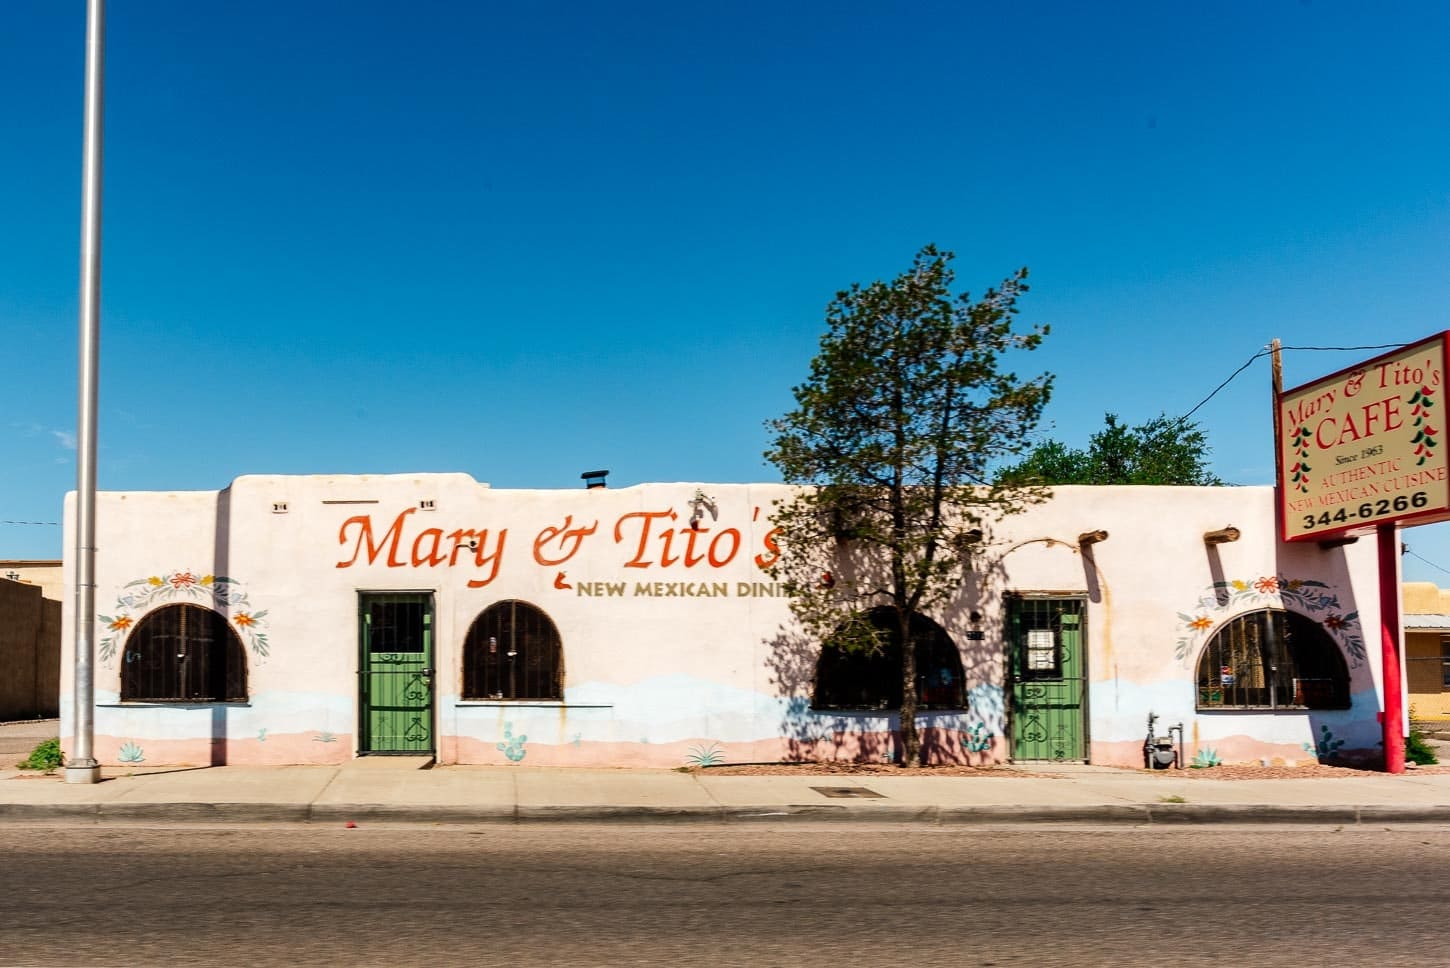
(53, 524)
(1268, 352)
(1247, 363)
(1377, 346)
(1426, 560)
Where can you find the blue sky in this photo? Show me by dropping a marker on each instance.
(525, 241)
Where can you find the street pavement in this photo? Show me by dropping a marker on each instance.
(386, 789)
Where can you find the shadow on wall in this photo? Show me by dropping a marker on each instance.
(873, 735)
(810, 735)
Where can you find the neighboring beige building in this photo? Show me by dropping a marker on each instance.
(1426, 621)
(30, 625)
(49, 575)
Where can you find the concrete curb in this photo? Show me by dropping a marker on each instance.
(1106, 814)
(400, 813)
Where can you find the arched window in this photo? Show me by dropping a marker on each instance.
(1272, 659)
(857, 679)
(513, 651)
(184, 653)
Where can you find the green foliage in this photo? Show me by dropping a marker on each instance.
(46, 756)
(1417, 750)
(1205, 758)
(905, 409)
(1165, 450)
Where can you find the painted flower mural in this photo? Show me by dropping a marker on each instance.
(226, 595)
(1316, 599)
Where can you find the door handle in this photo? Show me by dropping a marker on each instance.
(427, 677)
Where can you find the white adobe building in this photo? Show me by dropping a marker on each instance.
(313, 619)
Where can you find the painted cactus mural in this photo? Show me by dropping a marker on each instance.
(712, 754)
(512, 746)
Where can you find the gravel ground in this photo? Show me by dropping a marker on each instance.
(1232, 771)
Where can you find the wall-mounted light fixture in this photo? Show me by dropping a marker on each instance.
(699, 504)
(1221, 536)
(1092, 537)
(974, 627)
(964, 541)
(593, 479)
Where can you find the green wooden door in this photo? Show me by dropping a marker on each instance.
(1046, 645)
(395, 690)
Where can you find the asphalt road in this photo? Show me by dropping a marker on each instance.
(729, 895)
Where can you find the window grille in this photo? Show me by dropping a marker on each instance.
(184, 653)
(399, 623)
(1272, 659)
(513, 651)
(859, 679)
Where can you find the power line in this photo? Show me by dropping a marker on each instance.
(1247, 364)
(52, 524)
(1377, 346)
(1265, 352)
(1426, 560)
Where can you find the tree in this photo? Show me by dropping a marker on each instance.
(1165, 450)
(905, 409)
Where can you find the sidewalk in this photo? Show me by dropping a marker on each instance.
(398, 790)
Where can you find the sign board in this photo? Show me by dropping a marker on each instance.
(1365, 446)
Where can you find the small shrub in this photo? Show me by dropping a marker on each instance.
(1417, 750)
(46, 756)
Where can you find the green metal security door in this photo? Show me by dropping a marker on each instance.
(1046, 647)
(395, 688)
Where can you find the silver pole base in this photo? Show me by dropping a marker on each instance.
(83, 771)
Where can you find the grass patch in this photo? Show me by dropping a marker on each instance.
(1173, 798)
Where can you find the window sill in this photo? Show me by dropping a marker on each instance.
(890, 710)
(1271, 709)
(541, 703)
(174, 704)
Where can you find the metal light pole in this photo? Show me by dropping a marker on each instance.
(81, 765)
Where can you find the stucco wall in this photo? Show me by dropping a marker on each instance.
(1424, 598)
(676, 643)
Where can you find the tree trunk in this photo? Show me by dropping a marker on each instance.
(910, 740)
